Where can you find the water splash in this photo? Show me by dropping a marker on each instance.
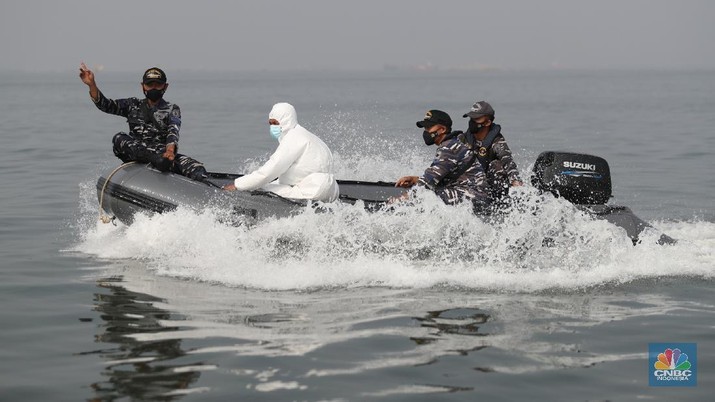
(543, 243)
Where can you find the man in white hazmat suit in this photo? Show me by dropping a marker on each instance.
(302, 164)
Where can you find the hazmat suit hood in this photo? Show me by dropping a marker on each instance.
(286, 116)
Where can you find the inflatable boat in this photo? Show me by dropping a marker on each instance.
(582, 179)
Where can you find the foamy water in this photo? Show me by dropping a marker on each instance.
(543, 243)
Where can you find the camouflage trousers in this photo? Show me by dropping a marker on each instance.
(129, 149)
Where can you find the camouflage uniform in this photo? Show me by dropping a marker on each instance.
(498, 163)
(451, 177)
(151, 129)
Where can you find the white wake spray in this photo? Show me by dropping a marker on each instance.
(543, 243)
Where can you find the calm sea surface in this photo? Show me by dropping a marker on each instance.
(348, 306)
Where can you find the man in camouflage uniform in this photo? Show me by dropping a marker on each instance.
(493, 153)
(454, 175)
(153, 125)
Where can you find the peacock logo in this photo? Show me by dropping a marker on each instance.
(672, 359)
(673, 364)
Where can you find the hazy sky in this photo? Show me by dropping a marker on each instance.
(129, 35)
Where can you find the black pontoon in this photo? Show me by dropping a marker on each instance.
(584, 180)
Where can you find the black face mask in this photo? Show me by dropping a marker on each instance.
(474, 127)
(154, 94)
(429, 137)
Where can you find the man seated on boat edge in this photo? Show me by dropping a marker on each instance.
(154, 125)
(454, 175)
(493, 152)
(300, 168)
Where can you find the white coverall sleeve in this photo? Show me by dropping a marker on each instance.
(284, 156)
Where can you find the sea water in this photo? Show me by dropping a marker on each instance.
(423, 302)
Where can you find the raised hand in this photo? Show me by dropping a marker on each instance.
(86, 75)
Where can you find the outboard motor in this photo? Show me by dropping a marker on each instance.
(585, 180)
(579, 178)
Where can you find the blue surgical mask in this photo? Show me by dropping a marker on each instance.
(275, 131)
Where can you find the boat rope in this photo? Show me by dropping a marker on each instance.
(102, 217)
